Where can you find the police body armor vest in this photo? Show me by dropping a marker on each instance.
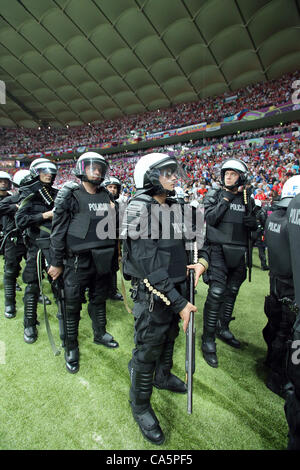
(44, 229)
(277, 240)
(82, 232)
(230, 230)
(293, 217)
(171, 250)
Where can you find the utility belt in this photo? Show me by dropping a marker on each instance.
(101, 257)
(148, 293)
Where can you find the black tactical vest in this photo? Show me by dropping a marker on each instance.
(83, 232)
(293, 218)
(277, 240)
(230, 230)
(171, 250)
(38, 205)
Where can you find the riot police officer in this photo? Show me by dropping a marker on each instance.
(227, 231)
(113, 185)
(14, 248)
(33, 218)
(292, 403)
(5, 186)
(81, 254)
(259, 235)
(279, 305)
(156, 265)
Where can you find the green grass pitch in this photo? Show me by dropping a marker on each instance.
(43, 407)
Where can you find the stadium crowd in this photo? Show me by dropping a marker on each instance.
(271, 161)
(271, 155)
(210, 109)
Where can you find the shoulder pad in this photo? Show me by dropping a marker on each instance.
(70, 185)
(145, 198)
(136, 206)
(65, 193)
(25, 200)
(211, 196)
(212, 192)
(136, 212)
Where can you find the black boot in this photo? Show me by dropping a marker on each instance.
(71, 344)
(10, 297)
(115, 294)
(47, 300)
(97, 313)
(225, 318)
(140, 394)
(30, 317)
(72, 360)
(164, 379)
(210, 316)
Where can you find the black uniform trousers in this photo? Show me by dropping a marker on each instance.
(278, 331)
(155, 331)
(14, 251)
(292, 398)
(30, 277)
(224, 284)
(80, 273)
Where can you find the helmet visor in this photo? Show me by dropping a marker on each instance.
(47, 170)
(93, 169)
(172, 168)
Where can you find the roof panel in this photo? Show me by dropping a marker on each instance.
(88, 18)
(59, 25)
(240, 64)
(230, 41)
(284, 14)
(211, 24)
(107, 58)
(163, 14)
(182, 34)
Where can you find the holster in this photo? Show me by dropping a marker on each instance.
(233, 255)
(102, 258)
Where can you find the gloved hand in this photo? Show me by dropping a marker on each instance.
(228, 195)
(250, 222)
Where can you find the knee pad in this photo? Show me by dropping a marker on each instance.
(11, 271)
(73, 309)
(233, 290)
(32, 289)
(216, 292)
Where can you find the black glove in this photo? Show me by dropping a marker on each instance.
(250, 222)
(230, 196)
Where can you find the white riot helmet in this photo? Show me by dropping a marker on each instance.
(43, 165)
(96, 166)
(5, 181)
(148, 169)
(239, 167)
(290, 189)
(113, 180)
(20, 176)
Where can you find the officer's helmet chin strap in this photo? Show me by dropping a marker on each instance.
(93, 182)
(157, 188)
